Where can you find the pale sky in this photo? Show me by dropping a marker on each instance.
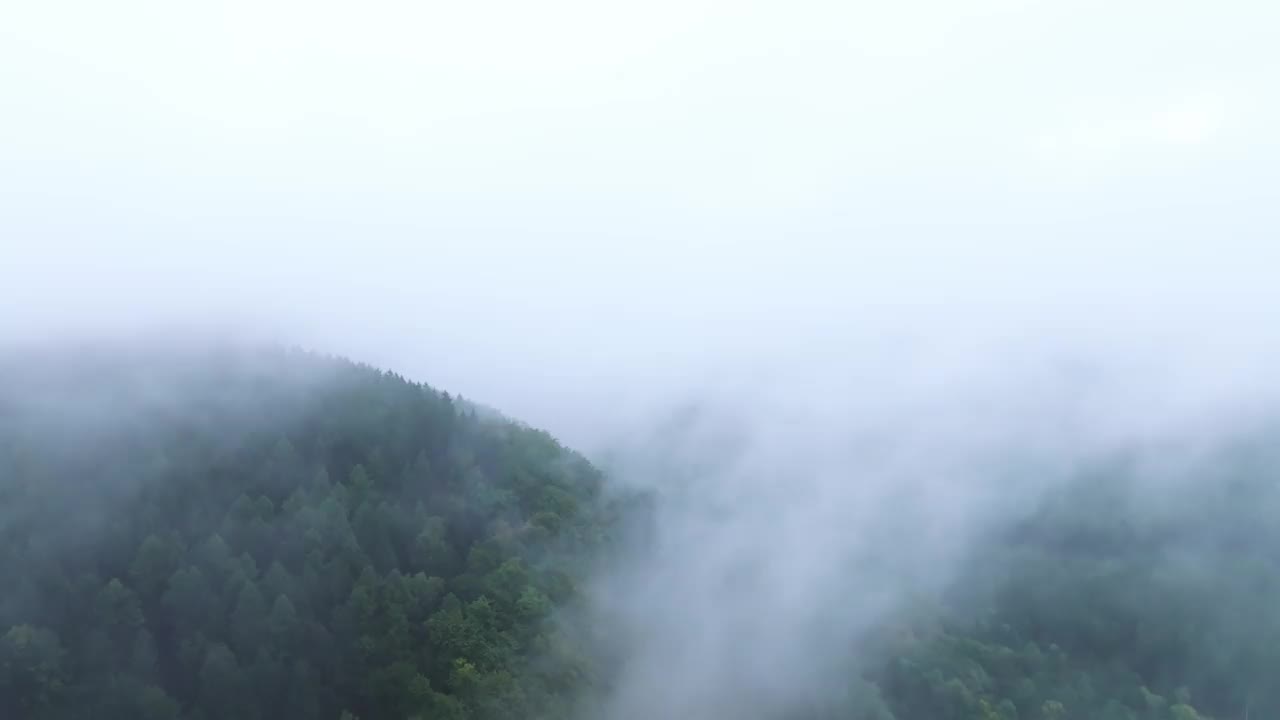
(536, 204)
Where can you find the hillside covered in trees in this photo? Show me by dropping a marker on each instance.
(1125, 595)
(212, 534)
(269, 534)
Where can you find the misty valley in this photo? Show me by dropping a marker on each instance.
(222, 532)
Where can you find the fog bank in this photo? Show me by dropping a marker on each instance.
(847, 285)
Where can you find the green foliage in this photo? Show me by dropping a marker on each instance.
(207, 566)
(1095, 607)
(31, 671)
(277, 535)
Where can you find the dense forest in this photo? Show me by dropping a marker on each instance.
(239, 534)
(271, 534)
(1123, 596)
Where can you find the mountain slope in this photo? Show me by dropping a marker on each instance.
(218, 533)
(236, 533)
(1125, 594)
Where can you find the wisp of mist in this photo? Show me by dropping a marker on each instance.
(799, 510)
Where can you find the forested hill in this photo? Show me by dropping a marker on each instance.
(224, 533)
(233, 533)
(1129, 593)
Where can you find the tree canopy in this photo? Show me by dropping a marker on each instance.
(280, 535)
(275, 534)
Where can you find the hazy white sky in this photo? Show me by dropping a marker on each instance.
(533, 202)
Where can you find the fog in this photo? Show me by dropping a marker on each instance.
(814, 270)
